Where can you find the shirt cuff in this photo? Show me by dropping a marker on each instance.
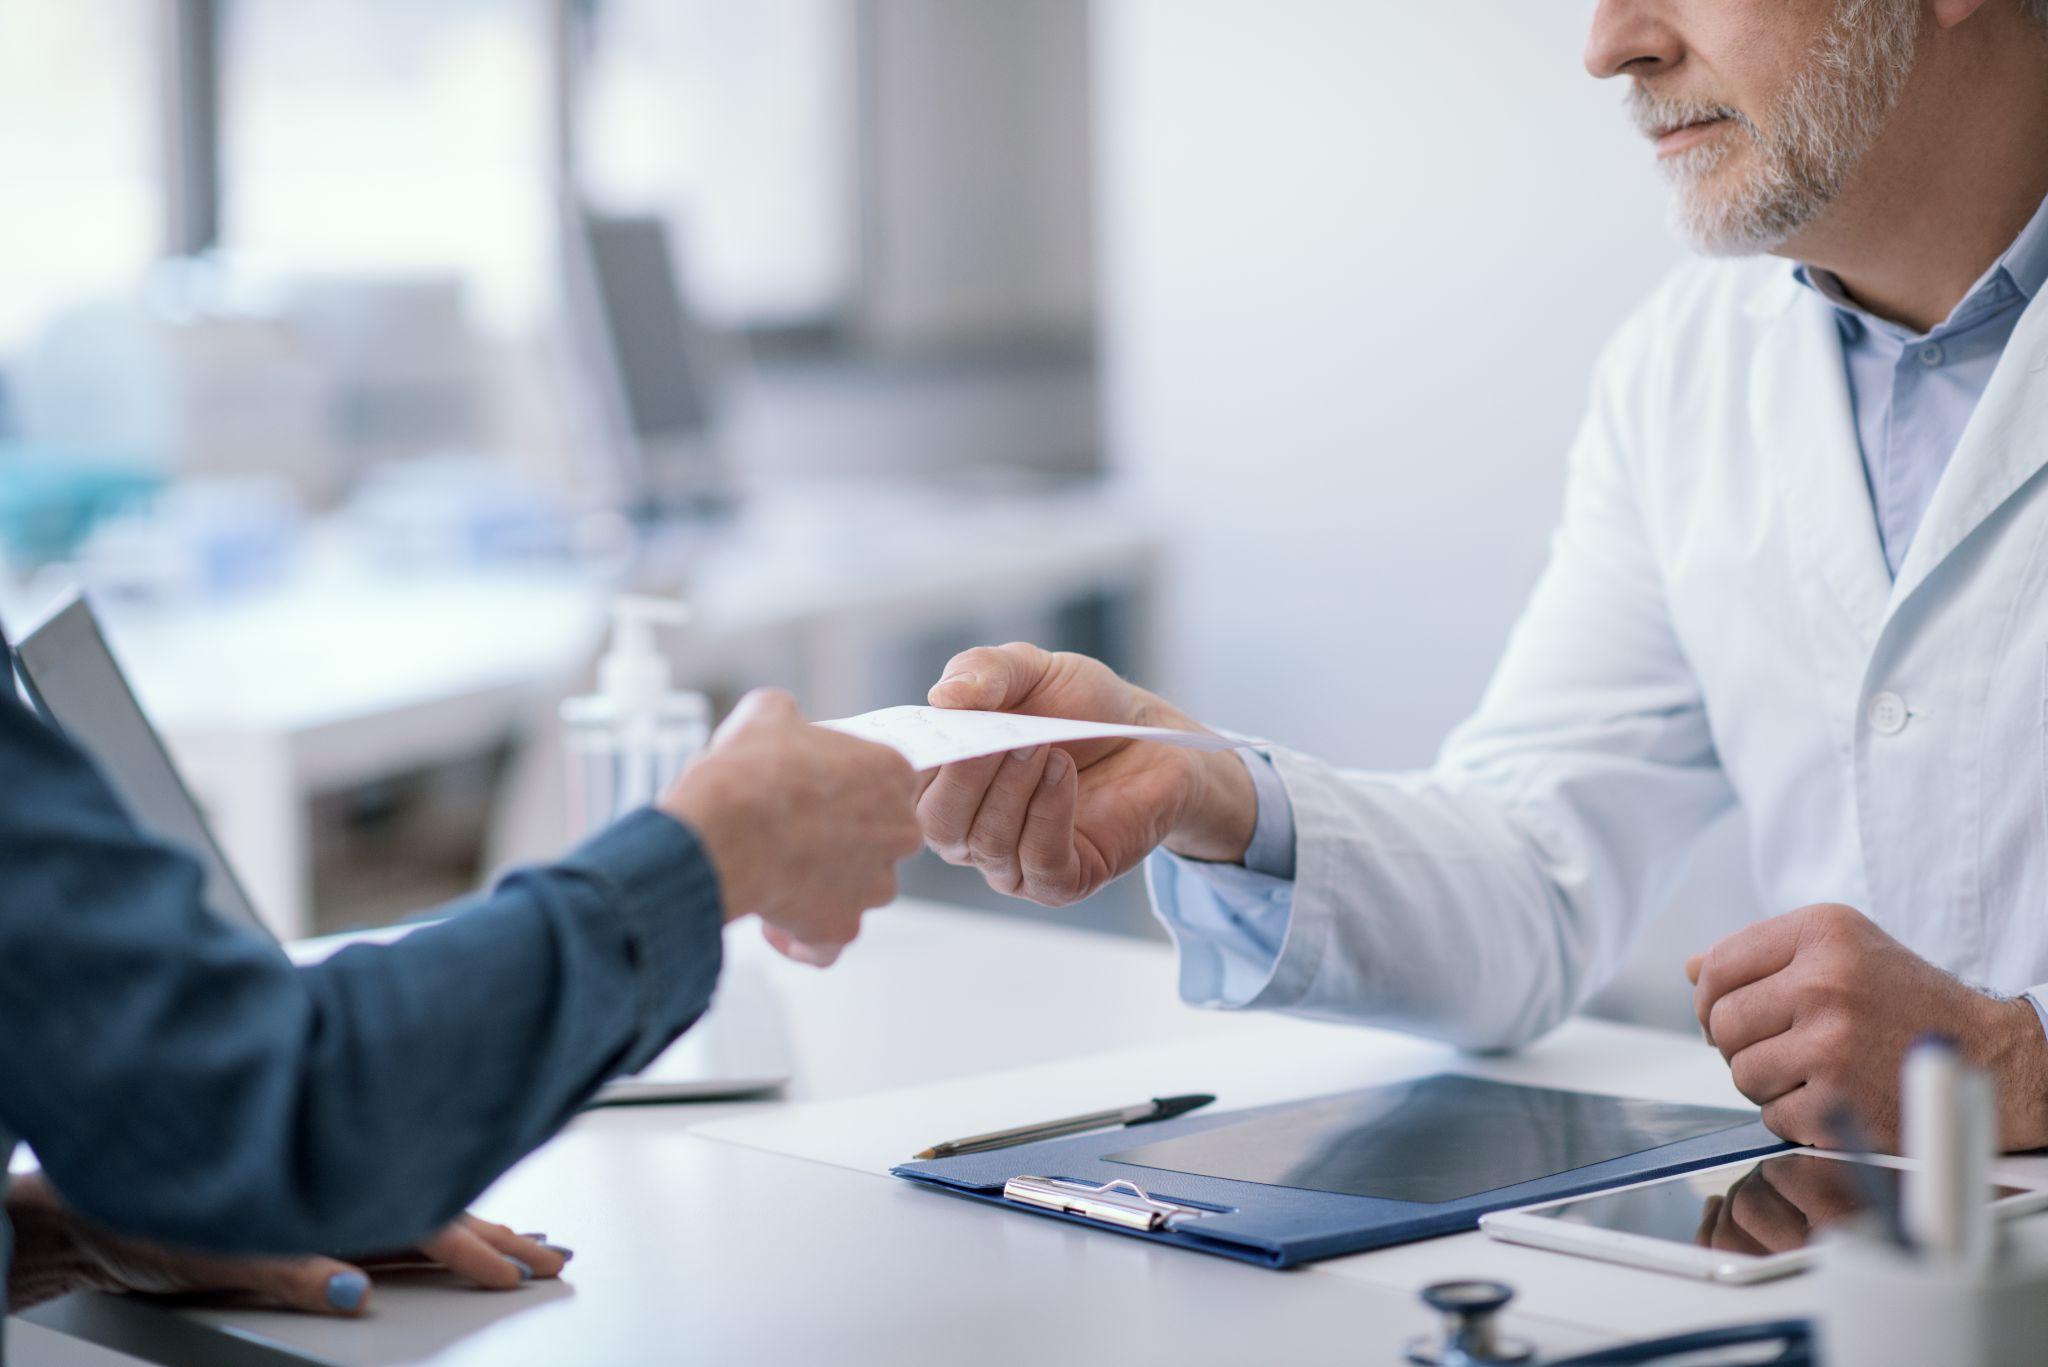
(1228, 923)
(658, 877)
(1272, 849)
(2039, 997)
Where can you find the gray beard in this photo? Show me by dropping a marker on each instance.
(1813, 139)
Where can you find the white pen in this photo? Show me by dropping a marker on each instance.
(1948, 1115)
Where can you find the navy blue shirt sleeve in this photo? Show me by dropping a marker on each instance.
(180, 1079)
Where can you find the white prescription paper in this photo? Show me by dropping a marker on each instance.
(931, 736)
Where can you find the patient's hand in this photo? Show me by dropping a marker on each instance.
(58, 1252)
(1055, 823)
(1815, 1009)
(804, 825)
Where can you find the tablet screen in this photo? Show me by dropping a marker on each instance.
(1436, 1139)
(1772, 1206)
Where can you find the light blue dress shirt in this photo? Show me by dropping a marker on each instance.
(1913, 396)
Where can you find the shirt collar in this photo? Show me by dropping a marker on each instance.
(2022, 271)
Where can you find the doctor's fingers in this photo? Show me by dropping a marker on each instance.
(1752, 1014)
(1710, 1219)
(990, 678)
(1729, 1234)
(1771, 1069)
(1048, 851)
(1801, 1116)
(1764, 1213)
(946, 811)
(1740, 959)
(999, 825)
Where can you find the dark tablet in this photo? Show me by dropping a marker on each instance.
(1436, 1139)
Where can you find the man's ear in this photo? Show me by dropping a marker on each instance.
(1949, 13)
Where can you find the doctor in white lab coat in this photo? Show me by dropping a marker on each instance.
(1802, 567)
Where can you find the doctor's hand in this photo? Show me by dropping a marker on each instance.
(1055, 823)
(804, 826)
(1778, 1204)
(58, 1252)
(1815, 1009)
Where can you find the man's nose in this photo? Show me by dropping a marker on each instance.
(1632, 38)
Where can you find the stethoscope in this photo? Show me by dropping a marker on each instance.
(1471, 1338)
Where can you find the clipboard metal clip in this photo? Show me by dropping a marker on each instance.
(1123, 1204)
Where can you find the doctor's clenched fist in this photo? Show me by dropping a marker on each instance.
(803, 825)
(1814, 1011)
(1055, 823)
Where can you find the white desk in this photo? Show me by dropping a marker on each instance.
(697, 1249)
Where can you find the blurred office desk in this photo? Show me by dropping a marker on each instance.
(692, 1248)
(338, 680)
(347, 676)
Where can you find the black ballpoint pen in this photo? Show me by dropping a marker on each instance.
(1159, 1108)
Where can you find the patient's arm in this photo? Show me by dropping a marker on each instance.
(58, 1252)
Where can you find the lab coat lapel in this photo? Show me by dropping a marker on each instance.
(1800, 410)
(2004, 446)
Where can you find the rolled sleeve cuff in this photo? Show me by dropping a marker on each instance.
(658, 877)
(1228, 923)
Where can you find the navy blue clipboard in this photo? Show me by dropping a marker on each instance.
(1123, 1179)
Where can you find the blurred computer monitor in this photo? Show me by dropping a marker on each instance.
(649, 366)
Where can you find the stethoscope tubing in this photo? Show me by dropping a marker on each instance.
(1795, 1336)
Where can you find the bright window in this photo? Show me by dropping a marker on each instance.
(392, 136)
(737, 121)
(78, 155)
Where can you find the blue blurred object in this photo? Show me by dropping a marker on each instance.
(50, 500)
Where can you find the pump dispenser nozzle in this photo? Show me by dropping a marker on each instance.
(634, 673)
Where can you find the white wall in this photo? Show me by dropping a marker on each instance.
(1357, 259)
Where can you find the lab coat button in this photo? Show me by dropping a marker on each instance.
(1887, 714)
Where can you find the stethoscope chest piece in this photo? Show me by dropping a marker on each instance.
(1470, 1337)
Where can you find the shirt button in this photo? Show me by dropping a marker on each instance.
(1887, 714)
(1931, 354)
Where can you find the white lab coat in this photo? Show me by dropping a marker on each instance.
(1716, 625)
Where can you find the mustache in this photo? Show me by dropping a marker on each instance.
(1656, 115)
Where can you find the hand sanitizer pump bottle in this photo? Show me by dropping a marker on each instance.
(627, 741)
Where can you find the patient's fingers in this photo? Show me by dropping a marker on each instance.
(999, 825)
(463, 1250)
(1046, 855)
(317, 1286)
(799, 951)
(946, 811)
(546, 1259)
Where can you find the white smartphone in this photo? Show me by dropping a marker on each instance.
(1746, 1221)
